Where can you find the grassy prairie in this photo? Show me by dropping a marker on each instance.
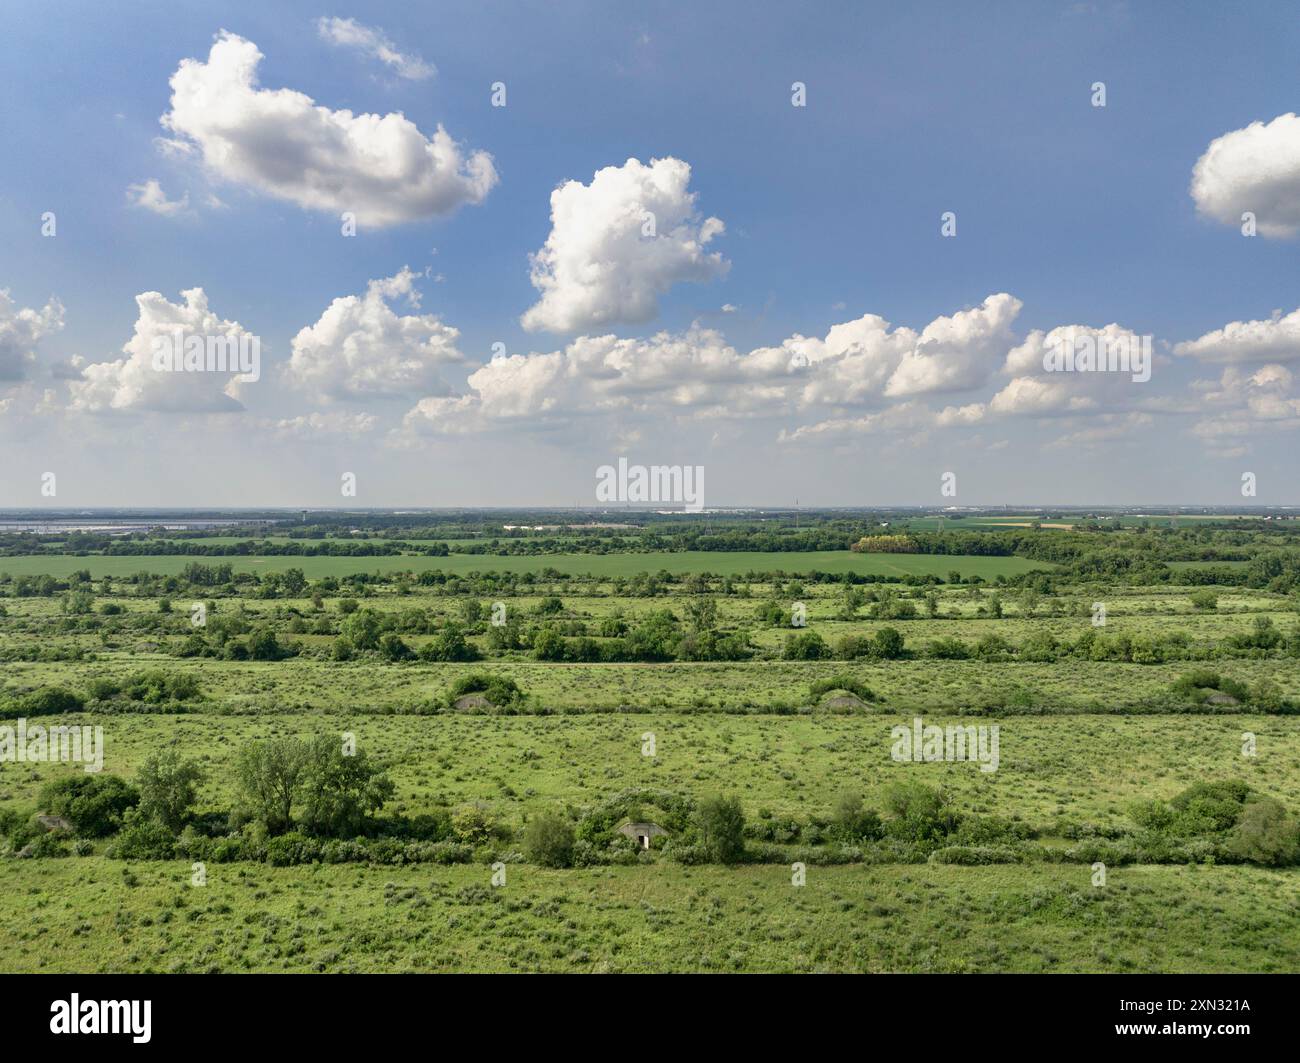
(1087, 768)
(1078, 744)
(90, 914)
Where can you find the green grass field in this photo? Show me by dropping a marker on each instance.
(84, 915)
(722, 563)
(1078, 744)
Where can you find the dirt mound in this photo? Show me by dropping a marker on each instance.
(842, 701)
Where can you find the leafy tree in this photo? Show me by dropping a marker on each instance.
(548, 840)
(1266, 834)
(703, 612)
(852, 821)
(263, 645)
(806, 646)
(168, 786)
(340, 790)
(394, 649)
(449, 644)
(269, 774)
(548, 645)
(888, 643)
(720, 822)
(362, 629)
(920, 813)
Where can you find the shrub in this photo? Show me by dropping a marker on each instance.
(841, 681)
(394, 649)
(1266, 834)
(93, 804)
(48, 701)
(808, 646)
(888, 644)
(853, 822)
(920, 813)
(720, 823)
(548, 840)
(291, 849)
(142, 838)
(499, 690)
(449, 644)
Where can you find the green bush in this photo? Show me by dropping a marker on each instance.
(93, 804)
(720, 826)
(1266, 834)
(142, 838)
(548, 840)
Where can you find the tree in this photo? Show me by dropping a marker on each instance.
(1267, 834)
(721, 825)
(852, 821)
(340, 789)
(703, 613)
(449, 644)
(269, 773)
(1205, 600)
(168, 786)
(263, 644)
(394, 649)
(362, 629)
(887, 643)
(548, 645)
(806, 646)
(548, 840)
(920, 813)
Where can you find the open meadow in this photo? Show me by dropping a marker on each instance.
(662, 760)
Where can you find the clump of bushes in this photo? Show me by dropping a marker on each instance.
(94, 804)
(47, 701)
(498, 691)
(1225, 820)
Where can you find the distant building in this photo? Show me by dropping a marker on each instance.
(642, 832)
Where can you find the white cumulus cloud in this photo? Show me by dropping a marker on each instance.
(697, 375)
(282, 143)
(618, 244)
(1254, 169)
(363, 349)
(1274, 340)
(134, 383)
(150, 195)
(21, 328)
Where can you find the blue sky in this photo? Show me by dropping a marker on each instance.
(831, 212)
